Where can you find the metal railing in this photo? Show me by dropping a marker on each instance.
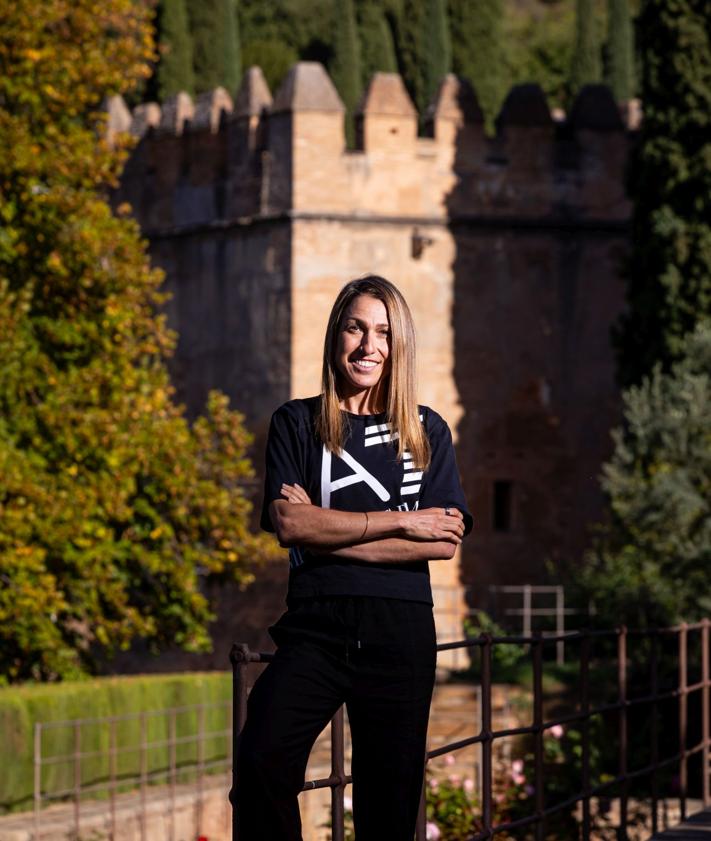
(241, 657)
(111, 781)
(449, 612)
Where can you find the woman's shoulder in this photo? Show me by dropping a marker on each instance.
(299, 411)
(430, 418)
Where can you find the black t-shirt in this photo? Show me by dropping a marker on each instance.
(365, 477)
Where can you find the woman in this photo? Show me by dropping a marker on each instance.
(362, 486)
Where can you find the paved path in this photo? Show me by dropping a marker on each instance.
(695, 828)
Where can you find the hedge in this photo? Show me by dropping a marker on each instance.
(22, 706)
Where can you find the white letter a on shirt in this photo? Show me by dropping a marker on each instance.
(360, 474)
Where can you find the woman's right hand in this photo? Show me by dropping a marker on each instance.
(434, 524)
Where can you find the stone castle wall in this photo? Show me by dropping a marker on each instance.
(506, 248)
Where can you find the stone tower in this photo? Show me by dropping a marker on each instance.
(506, 248)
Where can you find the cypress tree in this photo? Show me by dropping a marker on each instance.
(233, 54)
(216, 51)
(585, 65)
(478, 50)
(619, 70)
(345, 65)
(437, 47)
(377, 47)
(668, 273)
(175, 68)
(424, 48)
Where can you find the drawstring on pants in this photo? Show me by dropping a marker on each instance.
(358, 610)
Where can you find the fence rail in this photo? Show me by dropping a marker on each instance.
(111, 781)
(241, 658)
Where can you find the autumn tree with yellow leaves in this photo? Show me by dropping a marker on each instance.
(112, 506)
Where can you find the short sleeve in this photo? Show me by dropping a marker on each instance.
(283, 460)
(441, 487)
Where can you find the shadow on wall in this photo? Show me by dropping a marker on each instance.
(539, 219)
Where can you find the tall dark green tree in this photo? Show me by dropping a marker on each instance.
(669, 270)
(619, 50)
(437, 46)
(377, 47)
(216, 47)
(478, 50)
(424, 48)
(345, 65)
(585, 66)
(651, 561)
(175, 68)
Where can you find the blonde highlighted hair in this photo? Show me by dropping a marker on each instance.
(401, 410)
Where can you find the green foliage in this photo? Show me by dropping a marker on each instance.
(669, 269)
(22, 706)
(345, 65)
(305, 26)
(437, 43)
(377, 47)
(216, 46)
(650, 563)
(619, 50)
(505, 656)
(478, 51)
(424, 48)
(274, 57)
(539, 48)
(585, 67)
(175, 68)
(110, 501)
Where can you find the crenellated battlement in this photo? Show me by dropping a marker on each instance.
(211, 159)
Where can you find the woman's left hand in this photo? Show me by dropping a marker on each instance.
(295, 493)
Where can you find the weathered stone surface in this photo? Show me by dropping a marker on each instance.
(455, 100)
(176, 111)
(253, 95)
(307, 87)
(119, 117)
(145, 117)
(210, 108)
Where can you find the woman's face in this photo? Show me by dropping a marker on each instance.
(363, 351)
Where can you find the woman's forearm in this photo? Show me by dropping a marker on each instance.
(304, 525)
(392, 550)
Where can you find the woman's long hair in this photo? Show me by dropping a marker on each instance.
(401, 409)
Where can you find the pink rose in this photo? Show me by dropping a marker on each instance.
(432, 832)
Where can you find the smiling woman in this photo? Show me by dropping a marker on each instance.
(362, 485)
(363, 356)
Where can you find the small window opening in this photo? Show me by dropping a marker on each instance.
(501, 514)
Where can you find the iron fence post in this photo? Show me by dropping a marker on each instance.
(538, 732)
(705, 758)
(338, 770)
(240, 656)
(655, 731)
(38, 779)
(622, 719)
(585, 730)
(77, 778)
(683, 717)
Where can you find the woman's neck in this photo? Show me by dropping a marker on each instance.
(369, 402)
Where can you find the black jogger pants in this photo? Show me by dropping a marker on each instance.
(376, 655)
